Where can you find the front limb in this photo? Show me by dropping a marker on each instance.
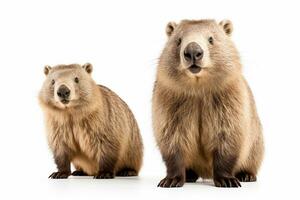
(175, 169)
(225, 157)
(62, 161)
(173, 157)
(108, 158)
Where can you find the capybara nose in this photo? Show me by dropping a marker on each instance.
(193, 52)
(63, 92)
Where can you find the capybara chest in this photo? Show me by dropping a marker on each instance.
(79, 136)
(80, 139)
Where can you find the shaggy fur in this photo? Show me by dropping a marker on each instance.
(205, 124)
(96, 131)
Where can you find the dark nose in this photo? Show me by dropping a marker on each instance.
(63, 92)
(193, 52)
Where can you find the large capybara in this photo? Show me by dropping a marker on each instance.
(204, 114)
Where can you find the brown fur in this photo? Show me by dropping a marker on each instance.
(96, 132)
(205, 124)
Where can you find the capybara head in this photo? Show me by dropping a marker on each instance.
(198, 51)
(67, 86)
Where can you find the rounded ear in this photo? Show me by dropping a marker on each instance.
(170, 28)
(47, 69)
(227, 26)
(88, 67)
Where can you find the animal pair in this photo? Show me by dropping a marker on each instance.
(204, 115)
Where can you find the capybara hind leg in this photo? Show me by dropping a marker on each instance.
(245, 176)
(249, 171)
(191, 176)
(127, 172)
(79, 173)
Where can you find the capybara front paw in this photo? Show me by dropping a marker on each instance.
(167, 182)
(245, 177)
(59, 175)
(227, 182)
(104, 175)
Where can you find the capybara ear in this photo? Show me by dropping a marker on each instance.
(47, 69)
(170, 28)
(227, 26)
(88, 67)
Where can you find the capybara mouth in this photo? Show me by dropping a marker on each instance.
(194, 69)
(65, 101)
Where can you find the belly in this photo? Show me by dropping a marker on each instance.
(85, 164)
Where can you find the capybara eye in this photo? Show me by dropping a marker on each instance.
(53, 82)
(211, 40)
(76, 80)
(179, 42)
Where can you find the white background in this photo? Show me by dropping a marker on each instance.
(123, 40)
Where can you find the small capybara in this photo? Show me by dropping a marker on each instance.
(204, 115)
(88, 125)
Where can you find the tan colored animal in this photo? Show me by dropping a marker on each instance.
(204, 115)
(88, 125)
